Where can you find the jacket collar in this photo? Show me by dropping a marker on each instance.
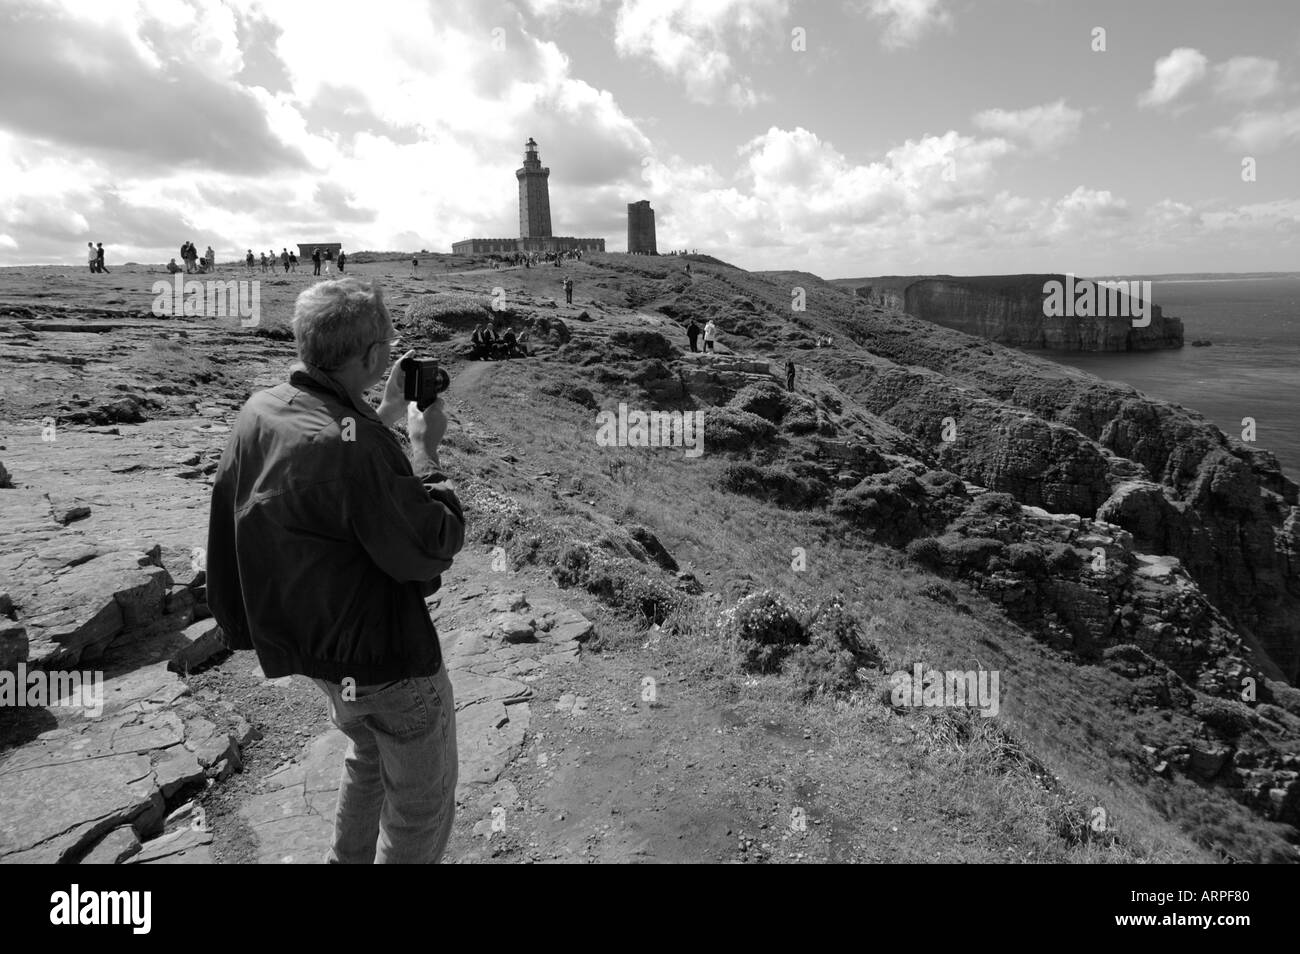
(314, 379)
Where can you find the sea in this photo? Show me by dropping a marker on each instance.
(1251, 369)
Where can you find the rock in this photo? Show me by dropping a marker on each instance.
(516, 628)
(1207, 759)
(66, 511)
(567, 624)
(114, 848)
(183, 846)
(510, 602)
(199, 643)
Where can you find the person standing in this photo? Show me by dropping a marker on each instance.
(99, 258)
(212, 259)
(693, 334)
(91, 257)
(568, 291)
(249, 260)
(710, 335)
(415, 266)
(284, 260)
(315, 261)
(293, 261)
(342, 260)
(789, 374)
(263, 263)
(323, 543)
(329, 261)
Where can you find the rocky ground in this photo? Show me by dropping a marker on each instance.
(1071, 537)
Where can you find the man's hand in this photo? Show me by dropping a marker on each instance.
(393, 405)
(426, 429)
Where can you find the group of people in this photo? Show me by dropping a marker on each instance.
(825, 341)
(95, 257)
(489, 345)
(289, 260)
(193, 263)
(710, 335)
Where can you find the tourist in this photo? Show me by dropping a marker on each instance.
(568, 291)
(710, 335)
(172, 267)
(479, 348)
(789, 374)
(415, 266)
(284, 260)
(91, 257)
(315, 261)
(249, 260)
(212, 259)
(263, 261)
(329, 261)
(99, 258)
(293, 262)
(343, 258)
(688, 269)
(327, 578)
(523, 343)
(693, 335)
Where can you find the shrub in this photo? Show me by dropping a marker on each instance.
(926, 551)
(727, 428)
(436, 317)
(766, 627)
(776, 484)
(836, 651)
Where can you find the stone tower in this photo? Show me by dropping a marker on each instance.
(641, 228)
(534, 195)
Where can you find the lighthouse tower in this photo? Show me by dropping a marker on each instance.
(534, 195)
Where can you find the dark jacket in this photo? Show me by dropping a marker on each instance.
(321, 549)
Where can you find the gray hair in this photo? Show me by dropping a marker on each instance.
(336, 321)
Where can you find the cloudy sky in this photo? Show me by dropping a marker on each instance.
(844, 137)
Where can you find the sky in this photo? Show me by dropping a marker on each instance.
(842, 137)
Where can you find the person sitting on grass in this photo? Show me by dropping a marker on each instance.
(510, 342)
(172, 267)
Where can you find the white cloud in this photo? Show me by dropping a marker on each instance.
(908, 20)
(1246, 78)
(697, 42)
(1261, 131)
(1043, 128)
(1176, 73)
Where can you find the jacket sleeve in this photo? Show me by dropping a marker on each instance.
(410, 528)
(225, 595)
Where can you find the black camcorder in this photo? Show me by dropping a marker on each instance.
(423, 381)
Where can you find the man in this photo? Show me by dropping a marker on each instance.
(693, 334)
(249, 260)
(323, 542)
(91, 257)
(211, 257)
(343, 260)
(284, 260)
(789, 374)
(99, 258)
(329, 261)
(315, 261)
(568, 291)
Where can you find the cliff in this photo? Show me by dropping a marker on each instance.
(1014, 310)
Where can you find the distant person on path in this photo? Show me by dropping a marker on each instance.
(568, 291)
(789, 374)
(324, 539)
(710, 335)
(99, 257)
(284, 260)
(249, 260)
(343, 258)
(415, 266)
(212, 259)
(693, 334)
(264, 261)
(91, 258)
(315, 261)
(293, 261)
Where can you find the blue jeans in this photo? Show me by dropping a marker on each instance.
(397, 798)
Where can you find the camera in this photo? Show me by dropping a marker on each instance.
(423, 381)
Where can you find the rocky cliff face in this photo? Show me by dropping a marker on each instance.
(1010, 310)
